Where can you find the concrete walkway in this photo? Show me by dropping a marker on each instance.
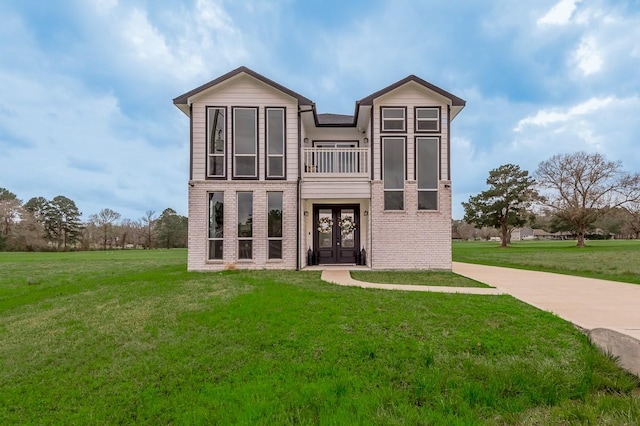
(609, 311)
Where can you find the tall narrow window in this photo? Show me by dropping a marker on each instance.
(393, 119)
(274, 224)
(393, 163)
(245, 142)
(216, 225)
(245, 225)
(427, 119)
(216, 142)
(275, 142)
(427, 172)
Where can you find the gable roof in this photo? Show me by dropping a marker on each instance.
(182, 101)
(455, 101)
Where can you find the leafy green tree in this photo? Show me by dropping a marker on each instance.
(171, 229)
(580, 188)
(505, 204)
(62, 221)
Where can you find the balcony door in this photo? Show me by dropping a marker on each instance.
(336, 233)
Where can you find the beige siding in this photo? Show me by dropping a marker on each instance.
(244, 91)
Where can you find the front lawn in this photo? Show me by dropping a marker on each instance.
(617, 260)
(131, 337)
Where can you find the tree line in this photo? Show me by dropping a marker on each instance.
(575, 193)
(56, 224)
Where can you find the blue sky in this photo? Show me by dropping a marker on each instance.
(86, 86)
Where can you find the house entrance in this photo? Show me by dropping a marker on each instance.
(337, 233)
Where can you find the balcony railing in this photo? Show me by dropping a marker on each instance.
(336, 161)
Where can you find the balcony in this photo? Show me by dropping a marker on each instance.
(336, 162)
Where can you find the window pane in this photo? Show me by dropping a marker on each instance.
(215, 249)
(275, 167)
(427, 163)
(274, 201)
(427, 200)
(275, 132)
(427, 113)
(245, 249)
(245, 214)
(393, 160)
(216, 166)
(394, 200)
(325, 228)
(393, 112)
(245, 166)
(427, 125)
(275, 249)
(393, 125)
(245, 131)
(216, 215)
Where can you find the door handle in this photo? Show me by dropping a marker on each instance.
(338, 243)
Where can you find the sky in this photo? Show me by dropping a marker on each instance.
(86, 86)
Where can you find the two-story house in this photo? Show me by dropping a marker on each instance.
(275, 184)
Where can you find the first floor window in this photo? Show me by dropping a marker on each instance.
(427, 172)
(274, 224)
(216, 225)
(245, 225)
(393, 172)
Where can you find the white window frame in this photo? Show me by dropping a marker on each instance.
(268, 156)
(384, 120)
(386, 190)
(428, 188)
(435, 120)
(219, 237)
(272, 238)
(255, 145)
(222, 134)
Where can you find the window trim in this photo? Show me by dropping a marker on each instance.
(284, 143)
(208, 154)
(404, 119)
(436, 189)
(404, 164)
(281, 237)
(256, 162)
(209, 238)
(437, 120)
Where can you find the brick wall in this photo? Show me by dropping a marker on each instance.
(198, 225)
(412, 238)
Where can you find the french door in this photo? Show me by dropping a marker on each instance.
(336, 233)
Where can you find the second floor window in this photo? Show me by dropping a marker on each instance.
(393, 119)
(245, 143)
(216, 142)
(275, 142)
(427, 172)
(427, 119)
(393, 172)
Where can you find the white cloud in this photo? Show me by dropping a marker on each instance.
(546, 117)
(560, 14)
(588, 57)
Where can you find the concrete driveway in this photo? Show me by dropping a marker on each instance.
(608, 310)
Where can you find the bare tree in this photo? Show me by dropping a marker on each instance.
(633, 218)
(104, 221)
(148, 222)
(579, 188)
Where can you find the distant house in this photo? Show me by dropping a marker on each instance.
(275, 184)
(519, 234)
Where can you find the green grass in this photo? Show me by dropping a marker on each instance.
(131, 337)
(416, 278)
(617, 260)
